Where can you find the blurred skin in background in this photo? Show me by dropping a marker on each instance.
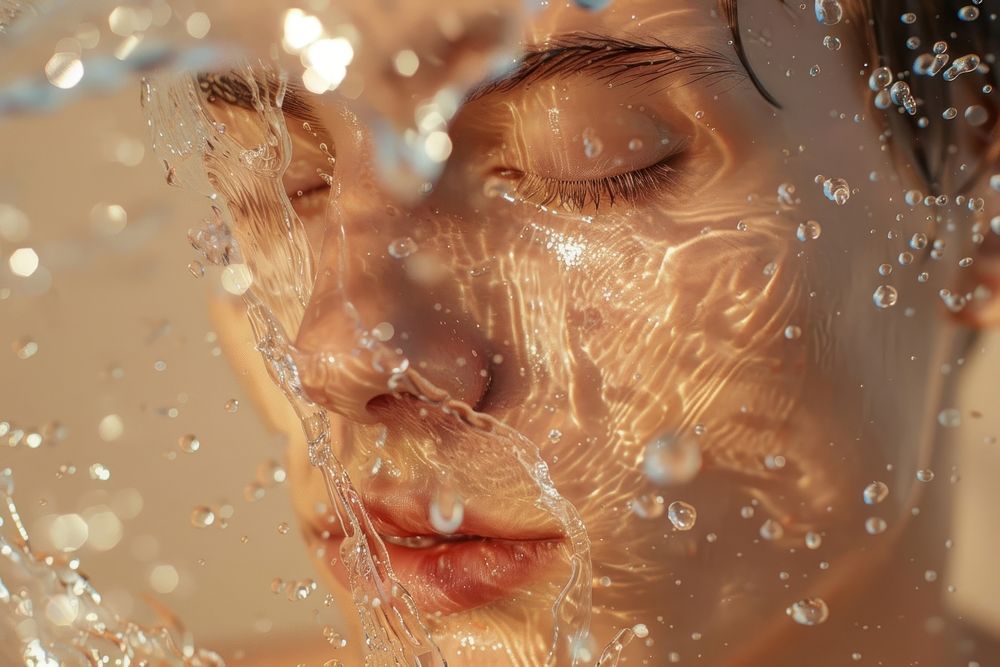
(629, 260)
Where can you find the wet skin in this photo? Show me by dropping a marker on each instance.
(606, 259)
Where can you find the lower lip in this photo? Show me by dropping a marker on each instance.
(457, 576)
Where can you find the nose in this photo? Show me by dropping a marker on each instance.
(387, 302)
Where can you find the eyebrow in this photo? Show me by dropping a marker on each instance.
(614, 60)
(609, 59)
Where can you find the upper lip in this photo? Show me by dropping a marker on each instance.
(398, 512)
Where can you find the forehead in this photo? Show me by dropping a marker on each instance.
(688, 21)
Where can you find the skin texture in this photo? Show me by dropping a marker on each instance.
(687, 308)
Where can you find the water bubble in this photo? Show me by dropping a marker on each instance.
(772, 530)
(786, 194)
(908, 18)
(100, 472)
(682, 515)
(64, 69)
(905, 258)
(813, 540)
(913, 197)
(792, 332)
(995, 182)
(809, 611)
(648, 506)
(930, 576)
(23, 262)
(189, 443)
(196, 269)
(447, 510)
(995, 224)
(232, 406)
(965, 262)
(899, 92)
(918, 241)
(402, 247)
(640, 630)
(976, 115)
(950, 113)
(940, 47)
(875, 493)
(875, 525)
(968, 13)
(885, 296)
(202, 517)
(880, 78)
(283, 528)
(829, 12)
(635, 144)
(808, 231)
(883, 100)
(950, 418)
(912, 43)
(832, 43)
(814, 70)
(672, 460)
(884, 269)
(925, 475)
(962, 65)
(837, 190)
(270, 472)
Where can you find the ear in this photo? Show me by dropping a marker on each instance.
(983, 281)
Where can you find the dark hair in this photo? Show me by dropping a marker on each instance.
(937, 150)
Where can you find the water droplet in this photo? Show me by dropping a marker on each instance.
(402, 247)
(682, 515)
(447, 510)
(962, 65)
(100, 472)
(950, 418)
(925, 475)
(809, 611)
(885, 296)
(232, 406)
(635, 144)
(202, 517)
(976, 115)
(837, 190)
(25, 348)
(814, 70)
(813, 540)
(672, 460)
(236, 279)
(196, 269)
(772, 530)
(592, 144)
(808, 231)
(918, 241)
(950, 113)
(648, 506)
(832, 43)
(189, 443)
(908, 18)
(793, 332)
(875, 493)
(968, 13)
(110, 428)
(64, 70)
(875, 525)
(333, 637)
(829, 12)
(640, 630)
(912, 43)
(965, 262)
(283, 528)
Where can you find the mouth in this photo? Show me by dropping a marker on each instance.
(489, 558)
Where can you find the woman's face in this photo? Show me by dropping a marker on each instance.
(629, 268)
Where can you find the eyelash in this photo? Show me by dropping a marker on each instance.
(629, 187)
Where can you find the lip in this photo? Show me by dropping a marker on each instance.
(490, 557)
